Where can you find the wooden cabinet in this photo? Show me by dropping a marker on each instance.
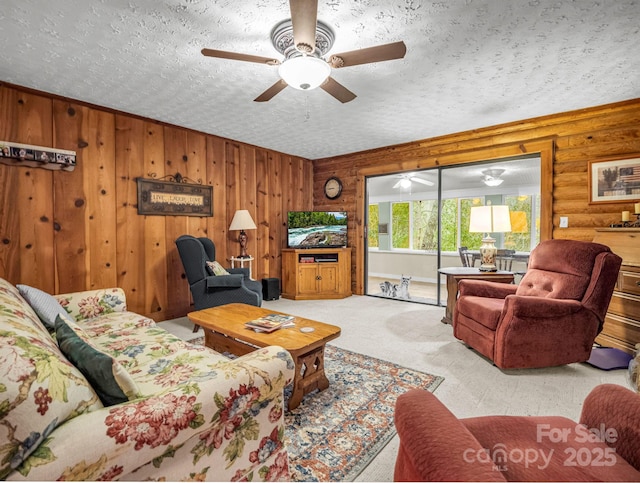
(322, 273)
(622, 323)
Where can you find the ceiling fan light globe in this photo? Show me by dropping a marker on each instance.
(405, 183)
(305, 72)
(493, 172)
(493, 181)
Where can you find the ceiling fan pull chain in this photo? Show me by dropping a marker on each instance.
(307, 115)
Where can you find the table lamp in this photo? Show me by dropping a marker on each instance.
(242, 221)
(489, 219)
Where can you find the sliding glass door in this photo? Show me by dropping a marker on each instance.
(403, 217)
(414, 228)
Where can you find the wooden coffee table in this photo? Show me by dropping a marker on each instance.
(224, 331)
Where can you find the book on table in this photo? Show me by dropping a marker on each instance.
(270, 322)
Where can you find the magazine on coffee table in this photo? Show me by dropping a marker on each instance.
(271, 322)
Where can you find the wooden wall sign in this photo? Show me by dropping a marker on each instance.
(15, 154)
(174, 198)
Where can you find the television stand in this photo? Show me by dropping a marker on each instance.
(316, 273)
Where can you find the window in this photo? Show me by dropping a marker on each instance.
(425, 225)
(469, 240)
(449, 226)
(414, 224)
(400, 225)
(520, 210)
(374, 221)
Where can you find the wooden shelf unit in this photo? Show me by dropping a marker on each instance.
(316, 273)
(622, 323)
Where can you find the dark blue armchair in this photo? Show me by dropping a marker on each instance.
(210, 290)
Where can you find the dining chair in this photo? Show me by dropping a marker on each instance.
(504, 259)
(465, 257)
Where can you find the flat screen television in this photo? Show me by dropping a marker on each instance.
(316, 229)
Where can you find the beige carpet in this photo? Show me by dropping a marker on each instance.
(412, 335)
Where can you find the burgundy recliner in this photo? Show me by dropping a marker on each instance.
(437, 446)
(551, 317)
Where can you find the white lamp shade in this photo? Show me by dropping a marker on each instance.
(305, 72)
(242, 221)
(489, 219)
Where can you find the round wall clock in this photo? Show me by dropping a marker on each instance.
(333, 188)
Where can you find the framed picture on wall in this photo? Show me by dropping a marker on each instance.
(614, 181)
(171, 198)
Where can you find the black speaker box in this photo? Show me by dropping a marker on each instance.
(270, 288)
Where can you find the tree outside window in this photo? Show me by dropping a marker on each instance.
(470, 240)
(414, 224)
(425, 225)
(449, 225)
(374, 221)
(400, 225)
(519, 238)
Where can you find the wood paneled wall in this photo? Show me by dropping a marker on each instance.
(67, 231)
(567, 141)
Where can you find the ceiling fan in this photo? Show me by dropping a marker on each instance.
(407, 178)
(304, 40)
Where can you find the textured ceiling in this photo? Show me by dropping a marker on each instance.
(469, 64)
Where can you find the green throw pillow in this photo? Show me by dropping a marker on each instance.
(111, 382)
(216, 269)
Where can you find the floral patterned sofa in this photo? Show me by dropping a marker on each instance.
(157, 408)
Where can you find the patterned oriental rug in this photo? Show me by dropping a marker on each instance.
(334, 434)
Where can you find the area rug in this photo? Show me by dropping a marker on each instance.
(334, 434)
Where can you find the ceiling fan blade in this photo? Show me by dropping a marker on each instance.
(378, 53)
(421, 181)
(397, 184)
(271, 91)
(337, 90)
(222, 54)
(304, 18)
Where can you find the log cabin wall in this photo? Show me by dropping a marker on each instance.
(69, 231)
(572, 138)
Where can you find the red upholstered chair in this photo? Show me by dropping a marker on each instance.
(551, 317)
(437, 446)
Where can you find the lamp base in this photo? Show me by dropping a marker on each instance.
(488, 268)
(242, 238)
(488, 252)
